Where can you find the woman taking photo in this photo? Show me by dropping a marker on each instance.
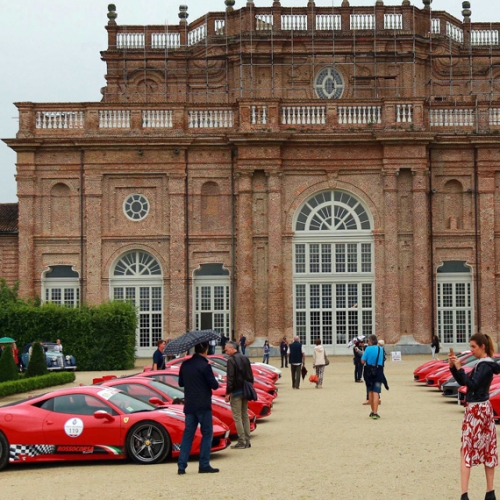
(479, 435)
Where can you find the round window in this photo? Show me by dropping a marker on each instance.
(136, 207)
(329, 84)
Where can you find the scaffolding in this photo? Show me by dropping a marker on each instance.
(276, 52)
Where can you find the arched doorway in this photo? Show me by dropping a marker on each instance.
(333, 269)
(455, 302)
(212, 305)
(137, 278)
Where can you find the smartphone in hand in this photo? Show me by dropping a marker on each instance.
(451, 351)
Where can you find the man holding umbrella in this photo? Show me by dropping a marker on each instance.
(197, 378)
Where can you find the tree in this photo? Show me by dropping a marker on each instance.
(8, 368)
(37, 365)
(8, 295)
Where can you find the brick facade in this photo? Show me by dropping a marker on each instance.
(227, 139)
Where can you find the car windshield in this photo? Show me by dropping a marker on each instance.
(125, 402)
(220, 362)
(172, 392)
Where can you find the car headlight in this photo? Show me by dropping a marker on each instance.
(68, 358)
(226, 435)
(54, 358)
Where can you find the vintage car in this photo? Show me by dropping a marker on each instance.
(94, 423)
(55, 359)
(159, 393)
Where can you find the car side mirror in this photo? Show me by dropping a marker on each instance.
(156, 401)
(101, 414)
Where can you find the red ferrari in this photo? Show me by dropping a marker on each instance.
(94, 423)
(149, 389)
(424, 370)
(170, 376)
(261, 380)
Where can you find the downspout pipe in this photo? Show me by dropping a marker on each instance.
(432, 191)
(186, 231)
(477, 281)
(233, 247)
(82, 220)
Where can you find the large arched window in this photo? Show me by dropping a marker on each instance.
(333, 269)
(137, 278)
(455, 318)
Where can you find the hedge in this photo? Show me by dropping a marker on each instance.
(31, 384)
(99, 337)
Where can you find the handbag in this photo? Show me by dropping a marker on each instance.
(248, 391)
(371, 371)
(327, 361)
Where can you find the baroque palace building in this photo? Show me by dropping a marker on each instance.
(320, 171)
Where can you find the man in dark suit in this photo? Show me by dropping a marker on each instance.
(297, 358)
(197, 378)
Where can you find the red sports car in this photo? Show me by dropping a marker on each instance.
(258, 370)
(424, 370)
(94, 423)
(147, 388)
(170, 376)
(265, 384)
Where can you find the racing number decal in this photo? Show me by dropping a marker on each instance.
(73, 427)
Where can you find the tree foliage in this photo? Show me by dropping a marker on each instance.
(37, 365)
(99, 337)
(8, 368)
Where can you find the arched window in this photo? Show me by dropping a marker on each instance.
(61, 285)
(333, 269)
(455, 302)
(137, 278)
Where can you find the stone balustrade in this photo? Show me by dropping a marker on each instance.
(393, 21)
(60, 120)
(317, 115)
(294, 22)
(360, 115)
(484, 37)
(285, 19)
(210, 118)
(303, 115)
(452, 117)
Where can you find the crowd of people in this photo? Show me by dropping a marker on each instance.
(479, 441)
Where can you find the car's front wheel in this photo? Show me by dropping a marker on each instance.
(148, 443)
(4, 451)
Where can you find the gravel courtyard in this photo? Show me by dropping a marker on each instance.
(316, 444)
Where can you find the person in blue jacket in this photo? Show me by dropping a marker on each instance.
(373, 361)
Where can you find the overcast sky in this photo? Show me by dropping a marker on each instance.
(50, 49)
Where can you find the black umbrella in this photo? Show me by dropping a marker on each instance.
(189, 340)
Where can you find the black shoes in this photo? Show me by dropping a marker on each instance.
(207, 470)
(490, 495)
(465, 496)
(181, 472)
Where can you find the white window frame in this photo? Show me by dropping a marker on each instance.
(333, 278)
(51, 285)
(454, 279)
(212, 282)
(149, 314)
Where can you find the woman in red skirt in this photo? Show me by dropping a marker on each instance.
(479, 435)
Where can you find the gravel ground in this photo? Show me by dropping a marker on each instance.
(316, 444)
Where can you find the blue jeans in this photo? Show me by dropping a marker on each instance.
(204, 418)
